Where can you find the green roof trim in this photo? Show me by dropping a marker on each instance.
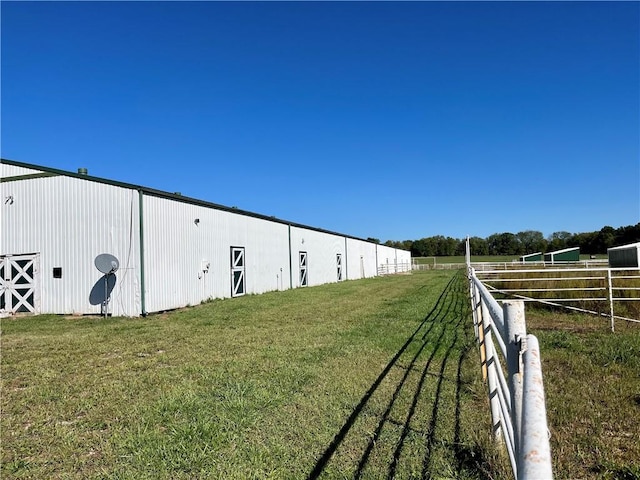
(30, 176)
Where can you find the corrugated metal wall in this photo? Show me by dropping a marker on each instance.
(177, 249)
(404, 260)
(624, 256)
(386, 259)
(321, 249)
(69, 221)
(187, 247)
(361, 259)
(12, 170)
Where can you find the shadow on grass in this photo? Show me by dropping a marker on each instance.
(442, 331)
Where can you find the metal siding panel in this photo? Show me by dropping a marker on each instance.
(624, 256)
(404, 260)
(321, 249)
(175, 247)
(267, 247)
(69, 222)
(12, 171)
(357, 250)
(386, 259)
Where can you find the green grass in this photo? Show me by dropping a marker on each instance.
(374, 378)
(462, 259)
(592, 385)
(587, 285)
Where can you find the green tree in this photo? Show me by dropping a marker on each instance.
(558, 240)
(532, 241)
(504, 244)
(628, 234)
(583, 240)
(604, 239)
(419, 248)
(478, 246)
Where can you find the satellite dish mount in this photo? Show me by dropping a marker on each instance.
(107, 264)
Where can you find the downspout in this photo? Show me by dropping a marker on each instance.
(376, 270)
(143, 305)
(346, 260)
(290, 261)
(396, 266)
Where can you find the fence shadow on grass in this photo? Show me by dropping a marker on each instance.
(441, 336)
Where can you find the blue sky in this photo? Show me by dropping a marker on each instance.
(394, 120)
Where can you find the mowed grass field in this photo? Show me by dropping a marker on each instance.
(461, 259)
(376, 378)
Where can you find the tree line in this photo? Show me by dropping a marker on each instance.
(521, 243)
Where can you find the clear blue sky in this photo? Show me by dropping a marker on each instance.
(388, 120)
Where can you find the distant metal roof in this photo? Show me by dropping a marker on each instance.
(163, 194)
(624, 247)
(563, 250)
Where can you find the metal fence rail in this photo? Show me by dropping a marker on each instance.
(591, 290)
(518, 410)
(391, 268)
(513, 265)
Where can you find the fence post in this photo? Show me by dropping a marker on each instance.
(515, 332)
(474, 301)
(534, 460)
(610, 282)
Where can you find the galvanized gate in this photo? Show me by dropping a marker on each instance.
(19, 283)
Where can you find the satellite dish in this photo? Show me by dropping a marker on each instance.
(106, 263)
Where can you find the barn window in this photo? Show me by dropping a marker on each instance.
(339, 266)
(304, 279)
(237, 272)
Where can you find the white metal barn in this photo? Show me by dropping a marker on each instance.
(624, 256)
(172, 250)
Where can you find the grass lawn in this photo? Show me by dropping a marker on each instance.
(461, 259)
(375, 378)
(592, 385)
(367, 379)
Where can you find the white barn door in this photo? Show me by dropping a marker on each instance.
(304, 279)
(19, 280)
(237, 272)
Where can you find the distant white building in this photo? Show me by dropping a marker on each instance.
(172, 250)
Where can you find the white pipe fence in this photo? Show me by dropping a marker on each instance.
(432, 264)
(391, 268)
(518, 410)
(598, 287)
